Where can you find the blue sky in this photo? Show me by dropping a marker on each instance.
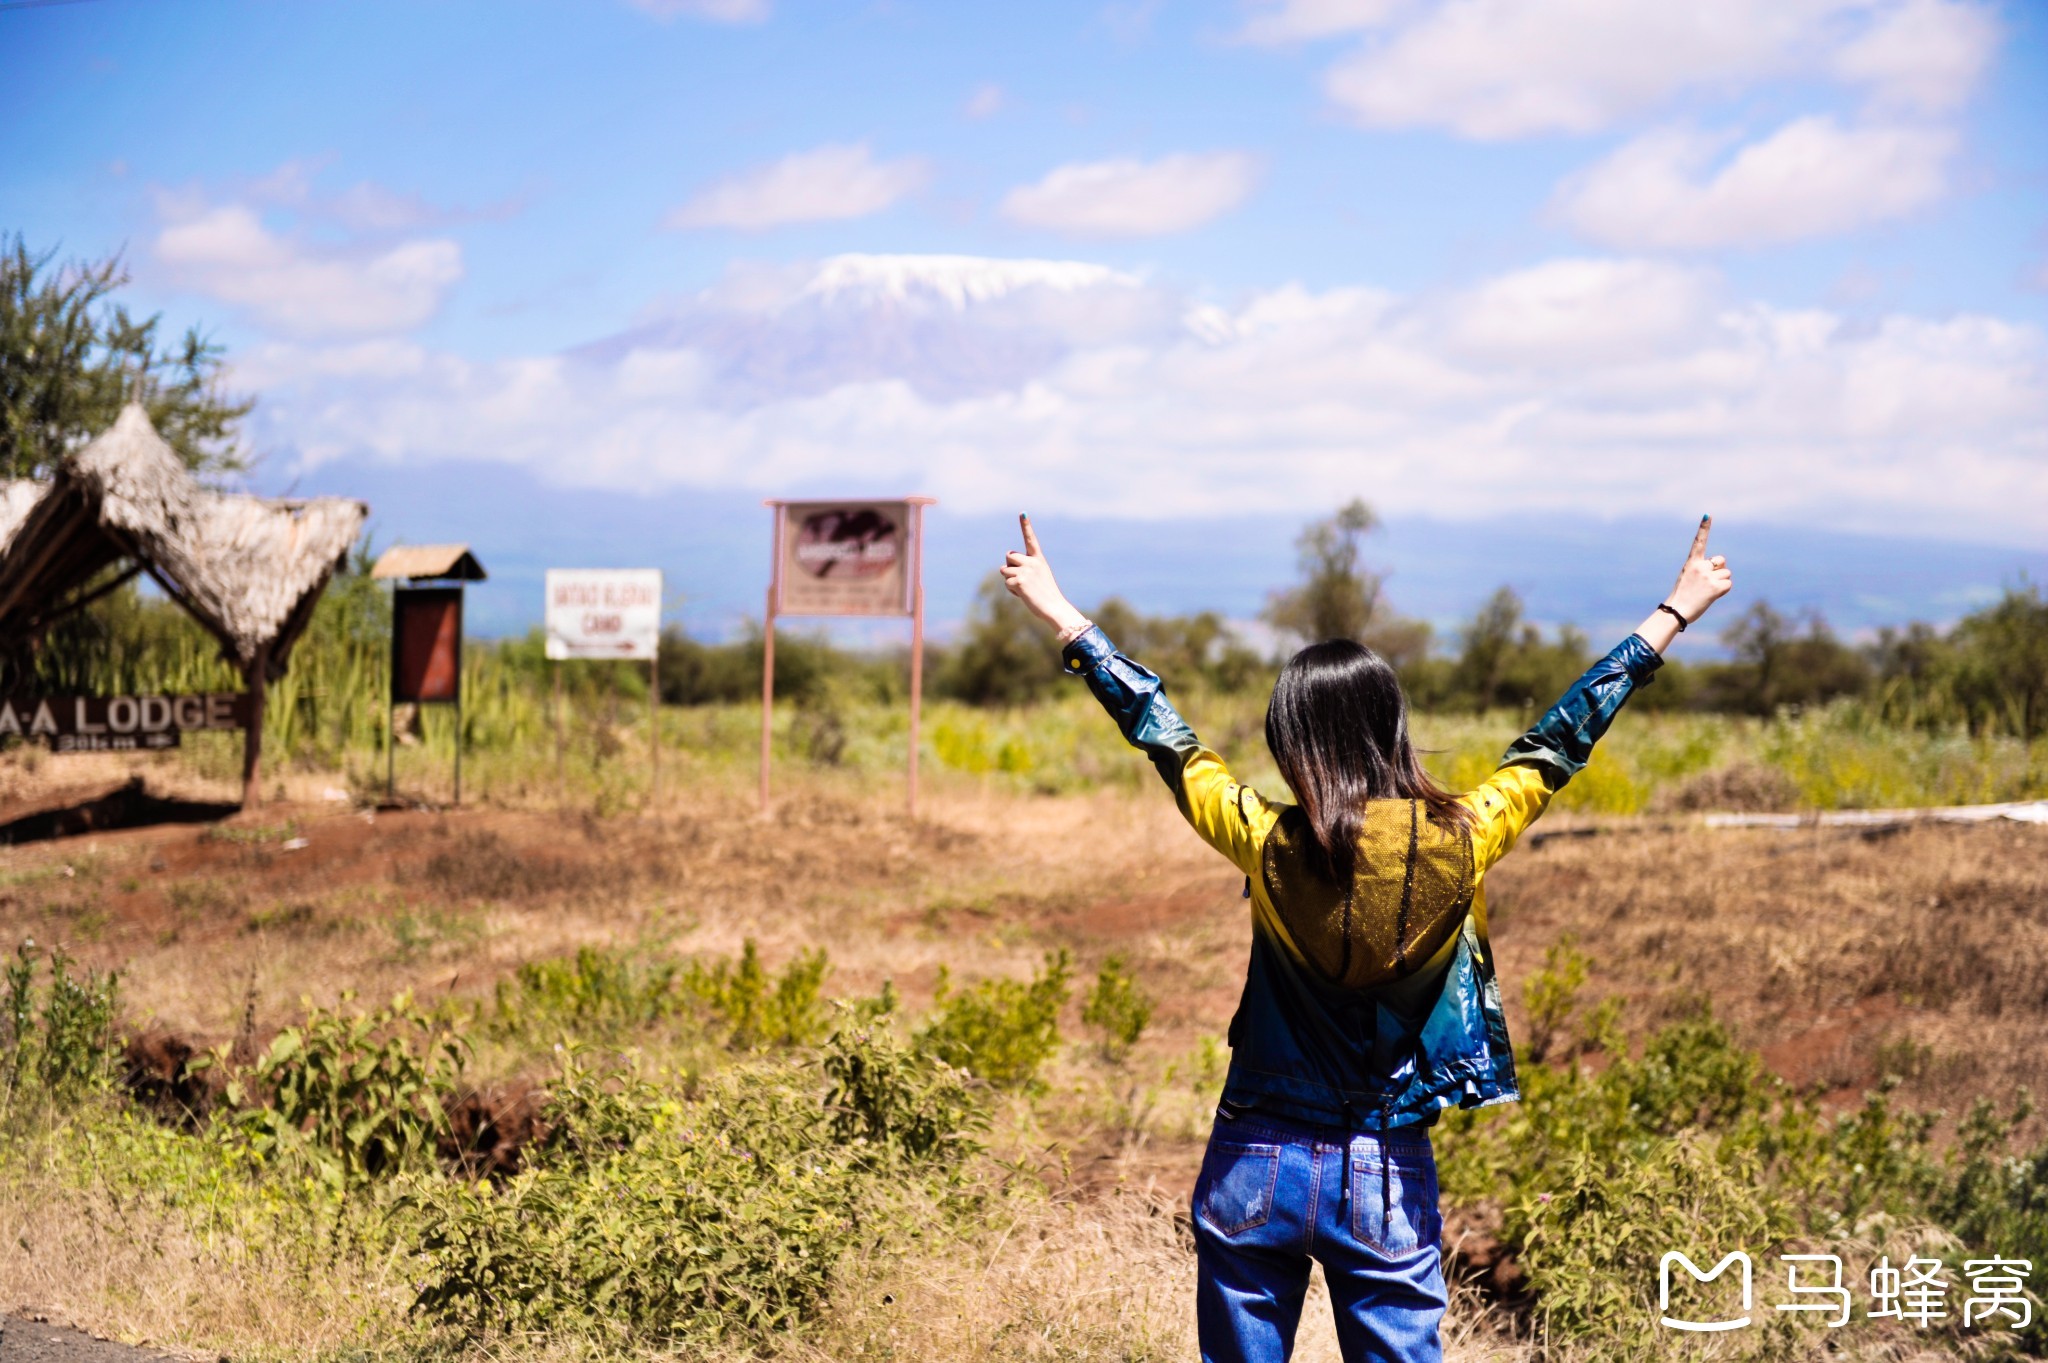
(1161, 272)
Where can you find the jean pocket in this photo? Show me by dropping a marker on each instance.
(1394, 1211)
(1235, 1191)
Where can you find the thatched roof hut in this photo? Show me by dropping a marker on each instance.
(249, 569)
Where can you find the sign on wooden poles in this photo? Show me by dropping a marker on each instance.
(608, 613)
(846, 558)
(426, 637)
(604, 613)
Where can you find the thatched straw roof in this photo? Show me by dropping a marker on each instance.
(247, 568)
(450, 562)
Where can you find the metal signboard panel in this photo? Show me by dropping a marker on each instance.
(603, 612)
(426, 645)
(844, 558)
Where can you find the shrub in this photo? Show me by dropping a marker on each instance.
(65, 1042)
(785, 1011)
(1001, 1030)
(899, 1104)
(597, 990)
(359, 1092)
(1593, 1243)
(662, 1219)
(1118, 1007)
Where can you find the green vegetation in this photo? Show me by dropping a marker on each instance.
(1118, 1008)
(1001, 1030)
(648, 1204)
(723, 1202)
(1690, 1145)
(72, 358)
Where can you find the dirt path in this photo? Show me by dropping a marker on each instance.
(29, 1341)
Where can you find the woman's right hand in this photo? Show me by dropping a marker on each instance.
(1029, 578)
(1703, 580)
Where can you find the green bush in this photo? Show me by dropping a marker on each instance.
(596, 991)
(63, 1041)
(1001, 1030)
(1595, 1241)
(1118, 1007)
(787, 1010)
(359, 1092)
(899, 1104)
(652, 1217)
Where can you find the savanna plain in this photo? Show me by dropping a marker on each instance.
(584, 1069)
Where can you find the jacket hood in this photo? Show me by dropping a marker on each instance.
(1404, 906)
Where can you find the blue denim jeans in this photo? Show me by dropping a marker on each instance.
(1275, 1194)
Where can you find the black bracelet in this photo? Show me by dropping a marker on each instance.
(1673, 612)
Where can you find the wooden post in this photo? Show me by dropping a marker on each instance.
(916, 645)
(561, 741)
(768, 680)
(257, 679)
(653, 732)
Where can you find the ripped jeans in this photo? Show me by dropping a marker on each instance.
(1275, 1194)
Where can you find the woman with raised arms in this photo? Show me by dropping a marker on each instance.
(1370, 1002)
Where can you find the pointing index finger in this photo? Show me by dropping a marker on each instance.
(1030, 536)
(1699, 540)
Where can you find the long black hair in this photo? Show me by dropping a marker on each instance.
(1338, 727)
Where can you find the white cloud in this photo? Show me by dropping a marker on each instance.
(1620, 387)
(299, 288)
(716, 11)
(986, 101)
(1926, 55)
(1567, 314)
(827, 184)
(1276, 22)
(1513, 68)
(1131, 198)
(364, 206)
(1811, 177)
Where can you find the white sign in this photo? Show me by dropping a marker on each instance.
(604, 612)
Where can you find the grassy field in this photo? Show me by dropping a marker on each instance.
(566, 1074)
(1833, 757)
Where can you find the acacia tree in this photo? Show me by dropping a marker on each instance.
(1338, 595)
(70, 357)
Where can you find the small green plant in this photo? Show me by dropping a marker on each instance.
(595, 992)
(1118, 1007)
(64, 1041)
(1001, 1030)
(360, 1092)
(787, 1010)
(899, 1104)
(1550, 995)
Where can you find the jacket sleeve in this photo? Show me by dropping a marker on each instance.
(1231, 817)
(1537, 765)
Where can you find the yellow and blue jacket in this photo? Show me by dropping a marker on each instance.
(1374, 1005)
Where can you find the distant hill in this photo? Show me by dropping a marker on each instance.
(1602, 577)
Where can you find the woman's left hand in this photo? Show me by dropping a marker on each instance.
(1029, 578)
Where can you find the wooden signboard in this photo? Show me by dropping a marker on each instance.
(846, 558)
(119, 723)
(426, 646)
